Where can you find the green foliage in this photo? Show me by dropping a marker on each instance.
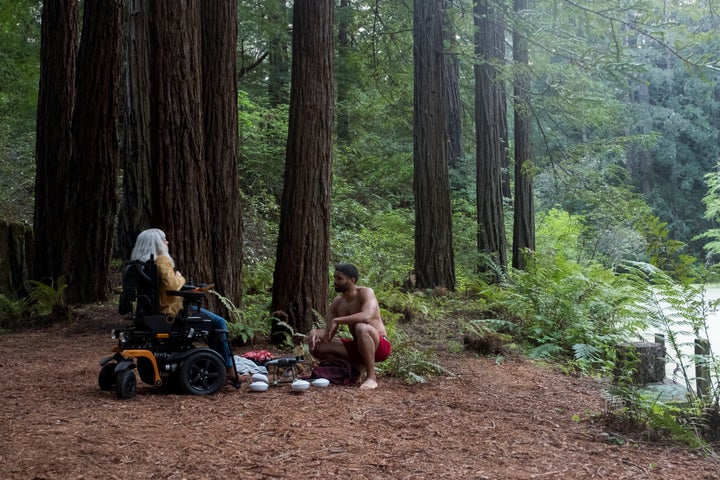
(382, 248)
(666, 253)
(409, 306)
(263, 138)
(19, 72)
(679, 311)
(489, 336)
(406, 361)
(257, 278)
(631, 410)
(247, 322)
(47, 299)
(565, 311)
(11, 310)
(45, 303)
(558, 233)
(712, 211)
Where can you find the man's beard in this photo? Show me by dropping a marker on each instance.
(342, 288)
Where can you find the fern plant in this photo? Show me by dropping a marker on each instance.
(245, 323)
(570, 312)
(406, 361)
(47, 299)
(10, 311)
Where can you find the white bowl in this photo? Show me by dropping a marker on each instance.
(259, 386)
(300, 385)
(259, 377)
(320, 382)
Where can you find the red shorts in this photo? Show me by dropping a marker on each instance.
(382, 353)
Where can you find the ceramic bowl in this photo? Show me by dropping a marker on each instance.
(320, 382)
(300, 385)
(259, 377)
(259, 386)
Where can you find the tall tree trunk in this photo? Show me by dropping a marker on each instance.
(434, 257)
(524, 220)
(135, 208)
(301, 276)
(452, 86)
(56, 98)
(279, 63)
(92, 180)
(491, 136)
(343, 74)
(220, 116)
(179, 190)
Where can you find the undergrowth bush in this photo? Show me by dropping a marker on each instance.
(570, 312)
(406, 361)
(249, 321)
(44, 304)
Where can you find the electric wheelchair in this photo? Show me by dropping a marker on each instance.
(162, 347)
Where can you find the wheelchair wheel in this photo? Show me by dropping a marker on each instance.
(202, 373)
(126, 384)
(106, 378)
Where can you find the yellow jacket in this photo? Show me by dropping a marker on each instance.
(169, 281)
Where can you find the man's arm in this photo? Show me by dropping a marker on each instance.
(368, 310)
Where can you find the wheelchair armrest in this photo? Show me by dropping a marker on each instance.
(203, 287)
(191, 295)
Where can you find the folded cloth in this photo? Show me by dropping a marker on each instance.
(337, 370)
(245, 366)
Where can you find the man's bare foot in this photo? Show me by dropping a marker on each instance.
(369, 384)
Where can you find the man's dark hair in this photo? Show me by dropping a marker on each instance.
(348, 270)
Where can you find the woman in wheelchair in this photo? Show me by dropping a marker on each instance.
(152, 242)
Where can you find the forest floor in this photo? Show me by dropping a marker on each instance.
(488, 420)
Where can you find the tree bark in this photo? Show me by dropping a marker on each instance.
(279, 62)
(135, 212)
(491, 136)
(524, 220)
(220, 117)
(56, 98)
(301, 276)
(452, 86)
(92, 176)
(179, 189)
(434, 257)
(15, 257)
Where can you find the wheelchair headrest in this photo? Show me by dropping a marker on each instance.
(139, 285)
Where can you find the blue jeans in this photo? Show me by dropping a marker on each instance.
(218, 341)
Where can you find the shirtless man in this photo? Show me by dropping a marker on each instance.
(357, 308)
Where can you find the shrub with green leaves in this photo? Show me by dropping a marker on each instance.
(572, 312)
(247, 322)
(406, 361)
(10, 311)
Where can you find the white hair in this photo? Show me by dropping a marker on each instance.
(150, 242)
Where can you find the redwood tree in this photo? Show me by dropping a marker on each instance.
(434, 257)
(220, 121)
(278, 76)
(91, 202)
(301, 276)
(490, 134)
(56, 98)
(524, 220)
(136, 209)
(180, 201)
